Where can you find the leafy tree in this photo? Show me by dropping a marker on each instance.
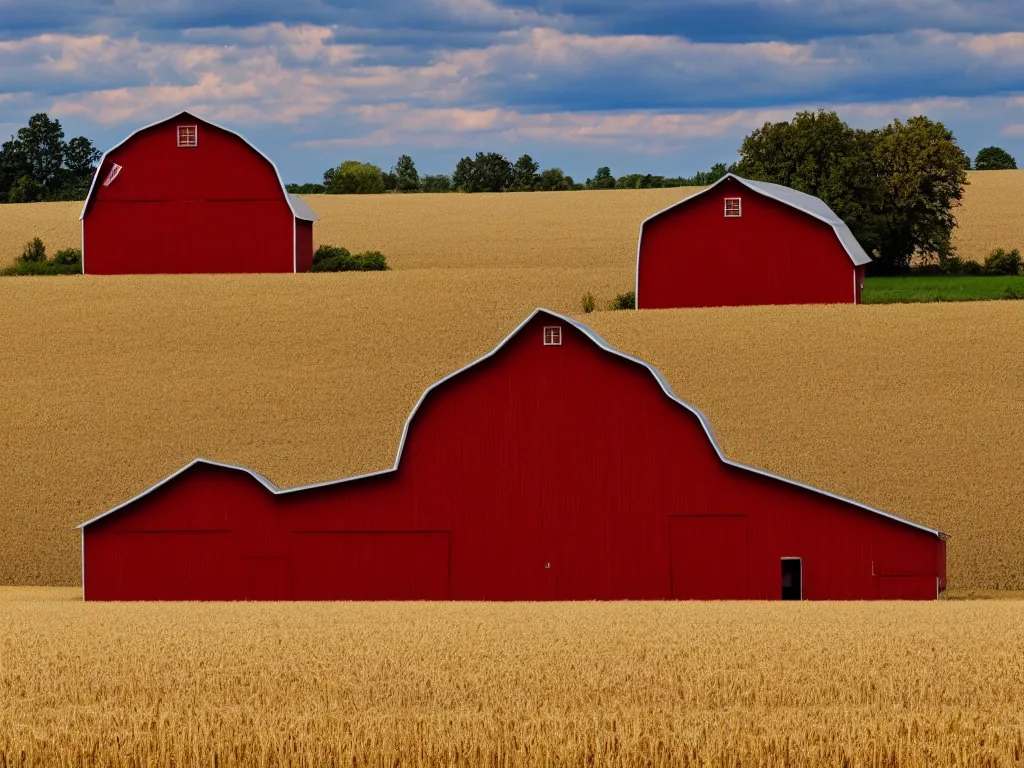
(603, 179)
(553, 180)
(921, 173)
(354, 178)
(493, 171)
(524, 174)
(39, 154)
(390, 181)
(305, 189)
(438, 183)
(407, 178)
(464, 177)
(26, 190)
(994, 159)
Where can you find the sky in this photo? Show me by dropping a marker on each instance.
(643, 86)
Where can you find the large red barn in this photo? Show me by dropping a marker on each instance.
(742, 242)
(185, 195)
(553, 468)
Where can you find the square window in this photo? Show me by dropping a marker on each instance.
(552, 336)
(733, 209)
(188, 136)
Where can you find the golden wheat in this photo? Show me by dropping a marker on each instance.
(539, 229)
(109, 384)
(620, 684)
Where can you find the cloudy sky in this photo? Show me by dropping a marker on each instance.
(650, 86)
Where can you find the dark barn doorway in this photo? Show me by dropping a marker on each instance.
(792, 579)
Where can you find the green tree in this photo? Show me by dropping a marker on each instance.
(994, 159)
(553, 180)
(438, 183)
(407, 178)
(26, 190)
(921, 173)
(603, 179)
(39, 153)
(354, 178)
(524, 174)
(464, 178)
(493, 171)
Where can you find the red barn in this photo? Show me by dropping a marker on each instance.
(185, 195)
(742, 242)
(553, 468)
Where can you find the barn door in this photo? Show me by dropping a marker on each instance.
(709, 557)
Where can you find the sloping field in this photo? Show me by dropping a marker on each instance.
(109, 384)
(612, 684)
(540, 229)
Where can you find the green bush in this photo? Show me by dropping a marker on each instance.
(33, 251)
(589, 303)
(335, 258)
(1002, 262)
(1013, 293)
(68, 257)
(67, 261)
(970, 268)
(625, 301)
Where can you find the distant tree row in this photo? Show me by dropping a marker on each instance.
(487, 172)
(38, 164)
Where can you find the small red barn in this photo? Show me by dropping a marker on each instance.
(742, 242)
(185, 195)
(553, 468)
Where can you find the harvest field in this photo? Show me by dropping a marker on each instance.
(606, 684)
(537, 229)
(107, 385)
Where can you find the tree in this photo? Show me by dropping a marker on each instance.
(553, 180)
(38, 153)
(26, 190)
(524, 174)
(464, 177)
(354, 178)
(994, 159)
(407, 178)
(603, 179)
(438, 183)
(493, 171)
(922, 174)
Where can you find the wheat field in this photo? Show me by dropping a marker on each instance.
(107, 385)
(603, 684)
(538, 229)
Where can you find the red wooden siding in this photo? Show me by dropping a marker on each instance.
(693, 256)
(216, 207)
(541, 473)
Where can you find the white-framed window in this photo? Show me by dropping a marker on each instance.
(188, 136)
(552, 335)
(733, 207)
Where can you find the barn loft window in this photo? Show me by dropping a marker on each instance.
(552, 336)
(188, 136)
(733, 208)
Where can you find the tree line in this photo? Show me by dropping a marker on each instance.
(486, 172)
(37, 164)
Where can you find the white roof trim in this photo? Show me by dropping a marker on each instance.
(299, 212)
(801, 201)
(600, 342)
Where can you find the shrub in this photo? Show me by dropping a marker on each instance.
(589, 303)
(625, 301)
(970, 268)
(34, 251)
(335, 258)
(1002, 262)
(68, 257)
(1013, 293)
